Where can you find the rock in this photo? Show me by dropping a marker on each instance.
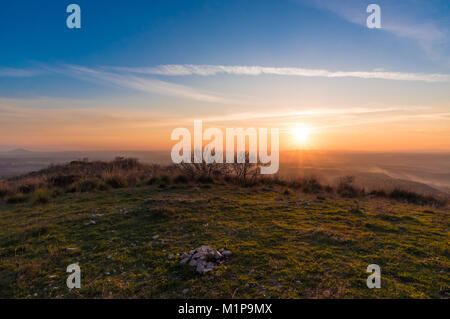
(193, 262)
(205, 258)
(184, 255)
(92, 222)
(155, 237)
(185, 291)
(200, 267)
(226, 253)
(198, 255)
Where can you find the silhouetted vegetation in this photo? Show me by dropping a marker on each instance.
(346, 188)
(410, 197)
(91, 176)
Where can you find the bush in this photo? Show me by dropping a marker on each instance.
(4, 190)
(345, 187)
(205, 180)
(71, 189)
(56, 193)
(102, 186)
(181, 179)
(378, 193)
(228, 179)
(153, 180)
(311, 185)
(62, 180)
(16, 198)
(414, 198)
(41, 196)
(115, 181)
(132, 180)
(86, 185)
(26, 189)
(165, 179)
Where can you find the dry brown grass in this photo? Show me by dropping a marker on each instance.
(89, 176)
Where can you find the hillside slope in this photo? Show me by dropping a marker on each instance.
(284, 244)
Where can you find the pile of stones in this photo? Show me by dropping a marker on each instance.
(205, 258)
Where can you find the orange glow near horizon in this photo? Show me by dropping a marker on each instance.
(113, 128)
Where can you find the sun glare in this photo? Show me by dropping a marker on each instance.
(301, 133)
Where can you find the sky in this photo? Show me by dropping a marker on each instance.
(136, 70)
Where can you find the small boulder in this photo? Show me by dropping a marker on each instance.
(193, 262)
(205, 258)
(226, 253)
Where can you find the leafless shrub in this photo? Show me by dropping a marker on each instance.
(346, 187)
(207, 169)
(246, 174)
(309, 184)
(4, 189)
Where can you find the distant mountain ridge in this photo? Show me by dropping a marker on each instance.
(19, 151)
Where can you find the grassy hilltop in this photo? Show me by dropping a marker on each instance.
(286, 243)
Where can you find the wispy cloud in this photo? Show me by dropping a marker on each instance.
(138, 83)
(398, 17)
(404, 118)
(18, 73)
(292, 115)
(209, 70)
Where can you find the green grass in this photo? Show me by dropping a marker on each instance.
(282, 247)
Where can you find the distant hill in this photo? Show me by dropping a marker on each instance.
(19, 151)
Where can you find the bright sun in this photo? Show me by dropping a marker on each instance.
(301, 133)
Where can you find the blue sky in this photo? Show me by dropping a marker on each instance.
(215, 58)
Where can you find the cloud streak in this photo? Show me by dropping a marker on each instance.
(210, 70)
(396, 19)
(296, 114)
(139, 83)
(17, 73)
